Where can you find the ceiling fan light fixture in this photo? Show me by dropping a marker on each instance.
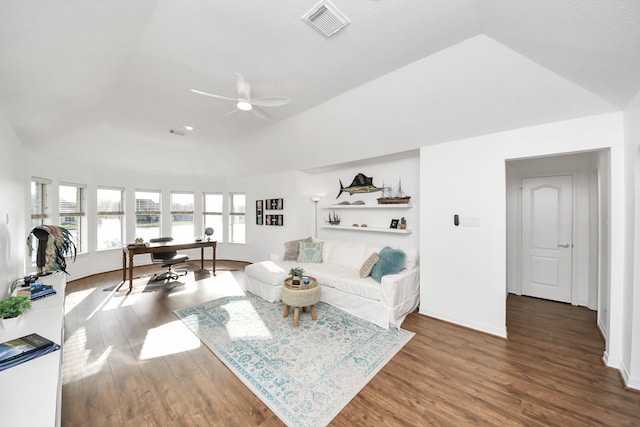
(244, 105)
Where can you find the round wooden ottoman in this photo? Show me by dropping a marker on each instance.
(302, 296)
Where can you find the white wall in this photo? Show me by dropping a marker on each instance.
(631, 318)
(383, 171)
(14, 209)
(463, 273)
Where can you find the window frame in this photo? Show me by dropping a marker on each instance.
(81, 201)
(120, 213)
(211, 213)
(144, 212)
(42, 215)
(173, 212)
(235, 214)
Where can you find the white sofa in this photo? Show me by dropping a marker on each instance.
(386, 303)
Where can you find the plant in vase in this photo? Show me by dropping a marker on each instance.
(11, 310)
(296, 275)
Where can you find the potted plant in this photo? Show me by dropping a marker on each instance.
(296, 275)
(11, 310)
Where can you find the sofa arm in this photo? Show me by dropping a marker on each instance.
(398, 288)
(276, 256)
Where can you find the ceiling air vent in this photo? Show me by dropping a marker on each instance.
(325, 18)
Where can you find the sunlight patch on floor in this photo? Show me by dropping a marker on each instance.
(170, 338)
(79, 361)
(247, 327)
(74, 299)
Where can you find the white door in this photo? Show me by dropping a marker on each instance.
(547, 243)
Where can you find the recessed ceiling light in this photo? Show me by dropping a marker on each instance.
(244, 106)
(189, 128)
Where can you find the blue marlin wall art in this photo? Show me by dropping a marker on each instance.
(361, 184)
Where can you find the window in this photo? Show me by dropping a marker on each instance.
(148, 214)
(39, 207)
(236, 218)
(110, 211)
(213, 214)
(72, 213)
(182, 216)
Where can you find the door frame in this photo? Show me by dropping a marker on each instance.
(584, 229)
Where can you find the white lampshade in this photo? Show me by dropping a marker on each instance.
(316, 198)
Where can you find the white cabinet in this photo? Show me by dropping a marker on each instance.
(347, 224)
(33, 390)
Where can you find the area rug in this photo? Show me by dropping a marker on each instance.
(305, 375)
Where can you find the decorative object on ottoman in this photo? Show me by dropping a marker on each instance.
(296, 275)
(391, 262)
(300, 297)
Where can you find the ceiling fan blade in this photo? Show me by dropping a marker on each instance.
(271, 101)
(213, 95)
(260, 113)
(231, 111)
(242, 87)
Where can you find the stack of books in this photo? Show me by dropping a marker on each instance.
(20, 350)
(37, 290)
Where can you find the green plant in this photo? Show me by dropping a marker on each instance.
(14, 306)
(296, 271)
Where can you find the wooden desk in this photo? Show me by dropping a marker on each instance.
(132, 250)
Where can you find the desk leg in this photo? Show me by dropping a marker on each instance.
(202, 258)
(130, 272)
(124, 266)
(214, 260)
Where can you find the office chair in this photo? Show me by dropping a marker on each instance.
(167, 259)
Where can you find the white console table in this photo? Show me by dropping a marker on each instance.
(32, 391)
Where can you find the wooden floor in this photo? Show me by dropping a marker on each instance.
(129, 361)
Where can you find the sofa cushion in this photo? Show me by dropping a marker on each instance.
(391, 262)
(365, 270)
(310, 252)
(292, 248)
(348, 254)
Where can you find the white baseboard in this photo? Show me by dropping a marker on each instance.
(629, 381)
(502, 333)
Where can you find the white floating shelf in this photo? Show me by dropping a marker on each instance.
(389, 206)
(372, 229)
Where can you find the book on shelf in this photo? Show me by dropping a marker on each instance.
(20, 350)
(37, 290)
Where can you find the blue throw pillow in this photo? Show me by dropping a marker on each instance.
(391, 262)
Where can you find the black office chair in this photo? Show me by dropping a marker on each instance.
(167, 259)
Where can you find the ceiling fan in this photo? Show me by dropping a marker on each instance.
(244, 102)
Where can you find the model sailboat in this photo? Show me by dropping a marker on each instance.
(391, 196)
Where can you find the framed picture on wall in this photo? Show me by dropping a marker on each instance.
(259, 212)
(274, 204)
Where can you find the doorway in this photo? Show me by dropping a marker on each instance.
(553, 214)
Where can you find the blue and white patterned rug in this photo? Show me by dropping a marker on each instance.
(306, 375)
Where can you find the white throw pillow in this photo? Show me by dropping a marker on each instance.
(348, 254)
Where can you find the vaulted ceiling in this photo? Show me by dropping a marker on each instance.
(71, 67)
